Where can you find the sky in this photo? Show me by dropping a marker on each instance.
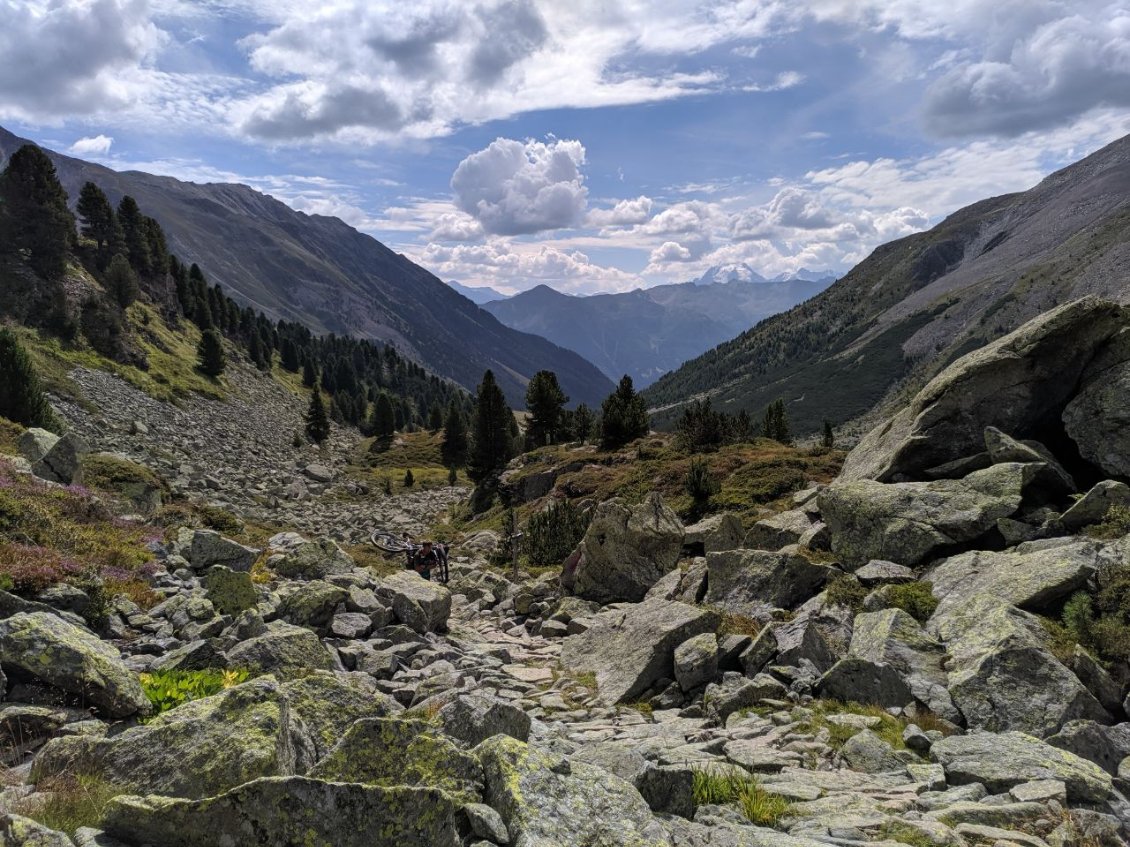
(594, 145)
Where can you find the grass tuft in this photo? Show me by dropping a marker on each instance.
(759, 806)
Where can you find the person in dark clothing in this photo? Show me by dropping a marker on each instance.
(425, 559)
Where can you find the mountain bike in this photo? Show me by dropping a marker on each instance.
(388, 542)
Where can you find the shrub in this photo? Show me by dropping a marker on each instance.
(1115, 525)
(167, 689)
(845, 590)
(914, 598)
(553, 534)
(409, 479)
(722, 787)
(72, 802)
(701, 487)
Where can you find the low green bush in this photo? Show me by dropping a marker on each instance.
(167, 689)
(1116, 524)
(72, 802)
(721, 787)
(914, 598)
(555, 533)
(847, 591)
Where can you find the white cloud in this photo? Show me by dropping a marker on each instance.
(782, 82)
(669, 251)
(513, 187)
(455, 226)
(624, 213)
(96, 145)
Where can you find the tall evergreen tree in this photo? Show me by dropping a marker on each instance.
(121, 281)
(309, 374)
(34, 218)
(623, 416)
(491, 441)
(545, 402)
(21, 396)
(776, 423)
(136, 233)
(317, 420)
(435, 418)
(453, 451)
(829, 439)
(583, 422)
(210, 352)
(383, 421)
(100, 224)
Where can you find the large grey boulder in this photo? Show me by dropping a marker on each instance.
(230, 592)
(473, 718)
(626, 549)
(1002, 675)
(549, 801)
(290, 810)
(1033, 575)
(1098, 417)
(868, 753)
(779, 530)
(907, 522)
(696, 661)
(1106, 746)
(204, 548)
(754, 582)
(1015, 383)
(18, 831)
(812, 636)
(329, 703)
(63, 462)
(35, 443)
(285, 650)
(1054, 480)
(715, 533)
(295, 557)
(893, 638)
(1093, 506)
(311, 604)
(631, 647)
(1001, 761)
(418, 603)
(863, 681)
(72, 659)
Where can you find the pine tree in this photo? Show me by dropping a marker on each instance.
(309, 375)
(491, 443)
(210, 352)
(409, 479)
(623, 416)
(99, 224)
(583, 422)
(317, 421)
(121, 281)
(383, 422)
(776, 423)
(435, 418)
(453, 451)
(545, 402)
(21, 396)
(829, 439)
(136, 232)
(34, 218)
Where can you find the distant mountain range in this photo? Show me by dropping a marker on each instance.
(477, 294)
(741, 272)
(646, 332)
(918, 303)
(319, 271)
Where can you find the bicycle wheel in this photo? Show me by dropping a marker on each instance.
(387, 541)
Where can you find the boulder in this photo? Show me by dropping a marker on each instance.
(713, 534)
(1106, 746)
(72, 659)
(878, 572)
(1054, 479)
(292, 556)
(1033, 575)
(812, 636)
(548, 801)
(696, 661)
(894, 638)
(631, 647)
(754, 582)
(419, 604)
(196, 655)
(1093, 506)
(284, 650)
(204, 548)
(319, 472)
(1018, 383)
(626, 549)
(1098, 418)
(328, 704)
(863, 681)
(394, 751)
(35, 443)
(290, 810)
(778, 531)
(1002, 675)
(1096, 679)
(1001, 761)
(908, 522)
(759, 652)
(475, 717)
(311, 604)
(732, 695)
(63, 462)
(867, 752)
(198, 749)
(18, 831)
(230, 592)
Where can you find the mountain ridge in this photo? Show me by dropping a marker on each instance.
(320, 271)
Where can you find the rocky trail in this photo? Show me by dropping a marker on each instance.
(888, 662)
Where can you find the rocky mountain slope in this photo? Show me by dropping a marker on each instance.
(318, 271)
(477, 294)
(918, 303)
(648, 332)
(932, 649)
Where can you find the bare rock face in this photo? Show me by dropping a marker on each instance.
(626, 550)
(1019, 384)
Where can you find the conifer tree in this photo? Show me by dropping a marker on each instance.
(34, 218)
(776, 423)
(829, 439)
(453, 451)
(491, 441)
(409, 479)
(623, 416)
(583, 422)
(136, 233)
(545, 402)
(317, 421)
(100, 224)
(21, 396)
(210, 352)
(309, 375)
(121, 281)
(435, 418)
(384, 417)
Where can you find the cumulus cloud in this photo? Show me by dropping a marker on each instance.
(514, 187)
(624, 213)
(456, 227)
(669, 251)
(65, 57)
(95, 145)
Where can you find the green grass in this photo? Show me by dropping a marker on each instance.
(10, 436)
(904, 833)
(73, 801)
(889, 728)
(374, 462)
(167, 689)
(914, 598)
(759, 806)
(846, 591)
(1114, 525)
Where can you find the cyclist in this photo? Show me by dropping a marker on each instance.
(425, 559)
